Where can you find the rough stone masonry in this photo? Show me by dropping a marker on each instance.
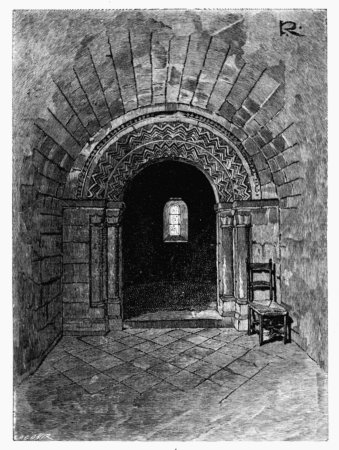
(85, 82)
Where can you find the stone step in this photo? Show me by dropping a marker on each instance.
(179, 319)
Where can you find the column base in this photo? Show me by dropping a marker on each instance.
(114, 314)
(114, 324)
(235, 310)
(227, 305)
(240, 324)
(240, 321)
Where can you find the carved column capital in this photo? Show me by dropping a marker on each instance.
(225, 214)
(114, 213)
(226, 219)
(96, 219)
(242, 219)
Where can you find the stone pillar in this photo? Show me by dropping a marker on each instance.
(114, 304)
(242, 246)
(225, 260)
(226, 286)
(242, 251)
(98, 292)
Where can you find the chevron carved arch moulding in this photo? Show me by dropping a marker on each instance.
(217, 153)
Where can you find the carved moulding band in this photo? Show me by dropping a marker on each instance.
(171, 140)
(214, 169)
(188, 127)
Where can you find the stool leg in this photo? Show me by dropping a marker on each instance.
(261, 330)
(285, 328)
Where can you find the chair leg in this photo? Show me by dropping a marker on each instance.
(285, 328)
(261, 330)
(249, 326)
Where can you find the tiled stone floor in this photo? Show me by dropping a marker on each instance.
(173, 384)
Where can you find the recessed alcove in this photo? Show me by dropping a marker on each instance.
(158, 275)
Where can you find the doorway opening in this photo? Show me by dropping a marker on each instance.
(168, 276)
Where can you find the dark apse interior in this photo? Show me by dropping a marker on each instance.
(168, 276)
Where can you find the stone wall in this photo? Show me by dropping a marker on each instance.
(265, 237)
(252, 231)
(37, 281)
(81, 312)
(75, 72)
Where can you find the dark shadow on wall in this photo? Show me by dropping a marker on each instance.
(168, 276)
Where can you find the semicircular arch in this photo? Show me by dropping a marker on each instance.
(209, 139)
(110, 166)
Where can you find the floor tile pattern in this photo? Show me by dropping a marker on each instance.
(173, 384)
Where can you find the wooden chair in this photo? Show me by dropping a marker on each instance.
(265, 313)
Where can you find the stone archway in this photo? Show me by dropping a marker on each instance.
(218, 153)
(170, 140)
(105, 169)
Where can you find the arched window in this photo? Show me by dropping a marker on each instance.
(175, 221)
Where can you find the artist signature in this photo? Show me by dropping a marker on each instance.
(34, 437)
(290, 28)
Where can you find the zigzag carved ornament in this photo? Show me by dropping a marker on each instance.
(174, 140)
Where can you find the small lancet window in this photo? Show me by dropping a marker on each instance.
(175, 221)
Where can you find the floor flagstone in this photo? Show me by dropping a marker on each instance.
(173, 384)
